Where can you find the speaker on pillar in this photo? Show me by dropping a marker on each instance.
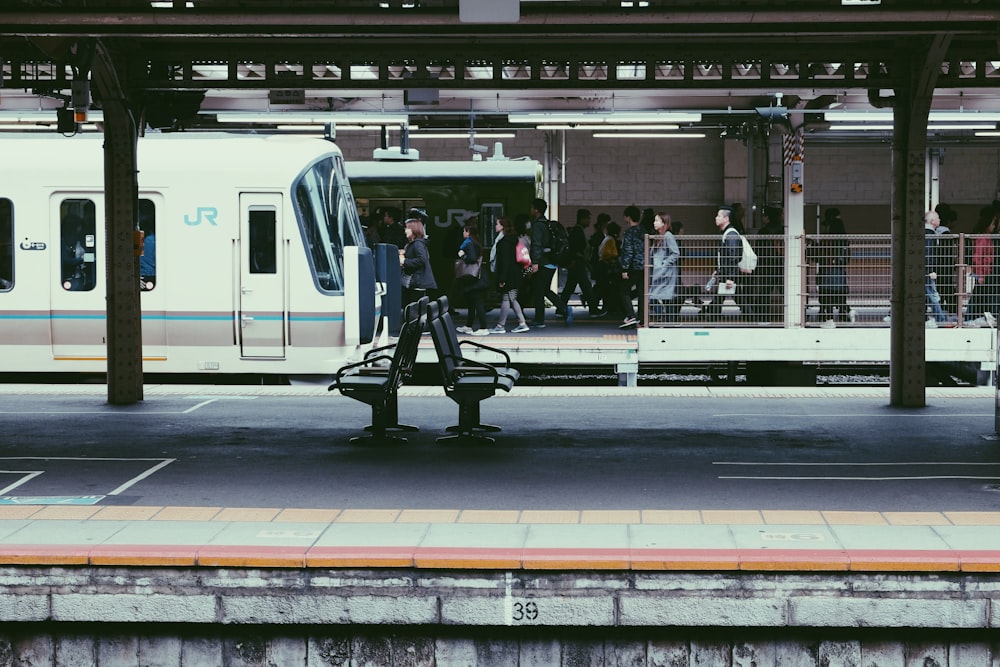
(65, 123)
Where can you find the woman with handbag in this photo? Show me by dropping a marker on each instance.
(470, 277)
(509, 274)
(415, 262)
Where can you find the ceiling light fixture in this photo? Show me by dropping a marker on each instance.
(463, 135)
(934, 116)
(603, 117)
(648, 135)
(293, 118)
(591, 126)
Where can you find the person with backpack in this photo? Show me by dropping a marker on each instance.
(632, 259)
(543, 262)
(728, 277)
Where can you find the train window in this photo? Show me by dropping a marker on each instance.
(263, 249)
(6, 245)
(317, 202)
(78, 243)
(147, 260)
(351, 229)
(488, 214)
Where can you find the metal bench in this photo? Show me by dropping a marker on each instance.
(466, 381)
(376, 379)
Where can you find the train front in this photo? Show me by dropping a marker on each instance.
(340, 262)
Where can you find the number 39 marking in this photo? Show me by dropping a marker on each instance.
(524, 611)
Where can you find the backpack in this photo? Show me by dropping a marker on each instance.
(559, 250)
(748, 260)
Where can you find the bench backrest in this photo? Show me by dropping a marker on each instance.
(404, 356)
(439, 326)
(450, 330)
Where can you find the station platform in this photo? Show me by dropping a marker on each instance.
(898, 490)
(641, 540)
(702, 525)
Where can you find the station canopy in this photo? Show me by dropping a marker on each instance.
(687, 66)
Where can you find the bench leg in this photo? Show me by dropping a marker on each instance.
(468, 424)
(392, 417)
(378, 427)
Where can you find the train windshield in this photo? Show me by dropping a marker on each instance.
(329, 220)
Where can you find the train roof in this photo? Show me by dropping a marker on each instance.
(465, 170)
(265, 160)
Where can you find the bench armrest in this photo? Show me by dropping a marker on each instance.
(344, 370)
(465, 366)
(376, 350)
(489, 348)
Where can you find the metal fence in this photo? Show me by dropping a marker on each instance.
(840, 280)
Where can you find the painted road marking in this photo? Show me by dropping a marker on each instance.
(204, 400)
(854, 415)
(51, 500)
(863, 464)
(207, 400)
(138, 478)
(28, 475)
(64, 500)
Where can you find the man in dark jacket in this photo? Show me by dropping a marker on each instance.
(633, 263)
(576, 271)
(391, 229)
(544, 265)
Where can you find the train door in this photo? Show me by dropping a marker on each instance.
(262, 284)
(78, 313)
(153, 295)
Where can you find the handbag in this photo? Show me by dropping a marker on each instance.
(522, 254)
(466, 270)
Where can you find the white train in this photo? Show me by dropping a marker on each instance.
(254, 261)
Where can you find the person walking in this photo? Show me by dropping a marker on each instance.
(415, 261)
(663, 298)
(727, 271)
(543, 265)
(470, 253)
(576, 269)
(509, 275)
(933, 254)
(632, 260)
(831, 276)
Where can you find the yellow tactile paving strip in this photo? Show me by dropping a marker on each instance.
(456, 516)
(565, 552)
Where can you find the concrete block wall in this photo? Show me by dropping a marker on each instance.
(233, 617)
(353, 646)
(970, 176)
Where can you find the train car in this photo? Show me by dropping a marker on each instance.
(254, 259)
(448, 191)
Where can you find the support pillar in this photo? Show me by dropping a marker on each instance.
(124, 308)
(921, 59)
(795, 261)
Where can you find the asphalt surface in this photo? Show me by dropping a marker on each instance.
(616, 448)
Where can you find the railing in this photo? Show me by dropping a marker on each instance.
(842, 280)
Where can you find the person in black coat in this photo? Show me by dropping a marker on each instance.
(471, 252)
(415, 262)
